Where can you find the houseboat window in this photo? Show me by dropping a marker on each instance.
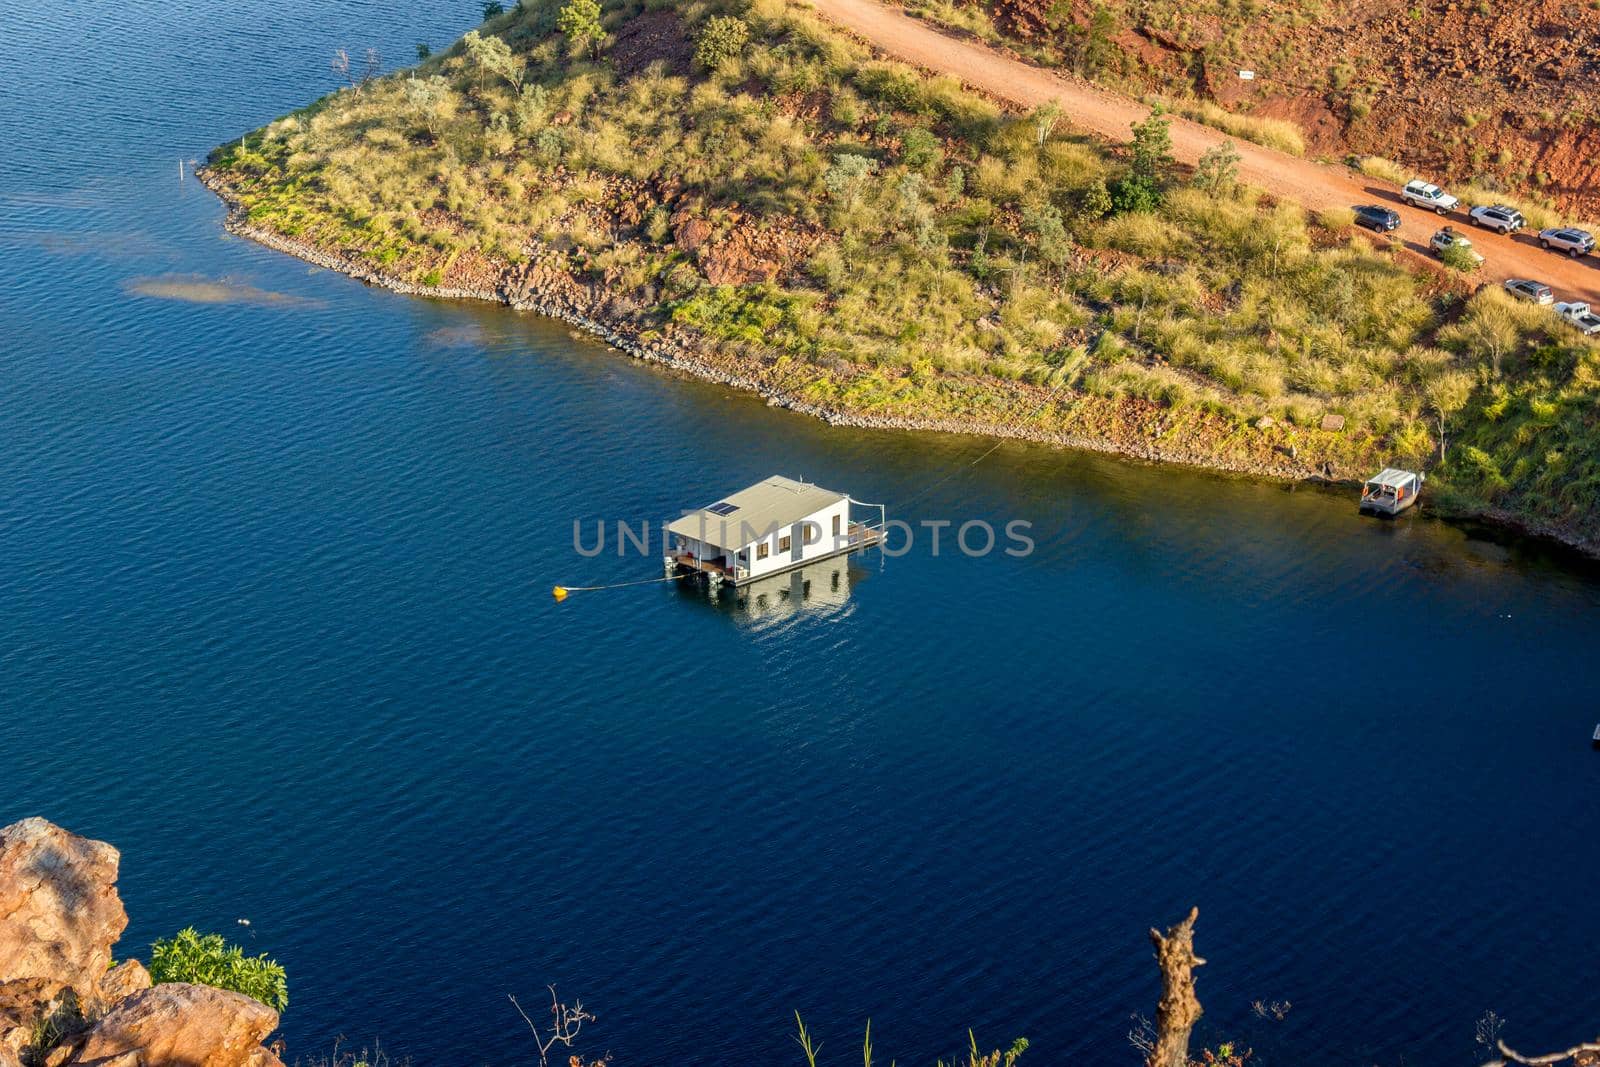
(761, 550)
(783, 543)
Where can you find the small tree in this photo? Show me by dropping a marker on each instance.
(492, 8)
(371, 66)
(423, 52)
(206, 959)
(531, 109)
(1151, 151)
(580, 21)
(493, 56)
(1447, 393)
(1049, 232)
(722, 39)
(1218, 168)
(431, 101)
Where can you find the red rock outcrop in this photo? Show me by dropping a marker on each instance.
(184, 1026)
(59, 909)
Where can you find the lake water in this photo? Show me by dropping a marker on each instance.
(275, 553)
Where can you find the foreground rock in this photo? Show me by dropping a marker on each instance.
(59, 909)
(191, 1025)
(62, 1004)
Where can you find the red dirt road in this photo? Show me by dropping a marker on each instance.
(1318, 186)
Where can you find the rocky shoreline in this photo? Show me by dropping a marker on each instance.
(686, 359)
(699, 361)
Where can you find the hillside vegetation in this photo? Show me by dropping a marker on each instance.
(1502, 96)
(737, 178)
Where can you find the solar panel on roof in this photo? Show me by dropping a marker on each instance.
(723, 508)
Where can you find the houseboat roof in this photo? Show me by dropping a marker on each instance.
(1392, 478)
(737, 520)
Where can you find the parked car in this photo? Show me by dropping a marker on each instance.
(1448, 238)
(1497, 217)
(1427, 195)
(1580, 317)
(1573, 242)
(1523, 289)
(1377, 219)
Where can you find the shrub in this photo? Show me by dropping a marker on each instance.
(1459, 257)
(1218, 168)
(722, 39)
(1134, 194)
(206, 959)
(1095, 201)
(920, 149)
(848, 175)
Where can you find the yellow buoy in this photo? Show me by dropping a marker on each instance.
(559, 593)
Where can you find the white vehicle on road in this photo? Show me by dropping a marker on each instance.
(1580, 317)
(1419, 193)
(1568, 239)
(1527, 289)
(1497, 217)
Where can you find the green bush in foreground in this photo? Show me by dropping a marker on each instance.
(206, 959)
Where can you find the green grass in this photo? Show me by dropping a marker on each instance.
(930, 255)
(1280, 134)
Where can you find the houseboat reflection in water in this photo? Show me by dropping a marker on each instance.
(813, 590)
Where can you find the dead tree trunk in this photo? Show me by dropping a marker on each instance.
(1179, 1009)
(1584, 1055)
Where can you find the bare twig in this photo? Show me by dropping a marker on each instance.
(565, 1022)
(1271, 1009)
(1143, 1034)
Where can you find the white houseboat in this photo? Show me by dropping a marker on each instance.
(774, 526)
(1391, 492)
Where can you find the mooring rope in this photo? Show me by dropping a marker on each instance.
(560, 592)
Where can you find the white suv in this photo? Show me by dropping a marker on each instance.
(1566, 239)
(1497, 217)
(1423, 194)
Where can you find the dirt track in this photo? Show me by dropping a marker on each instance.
(1316, 185)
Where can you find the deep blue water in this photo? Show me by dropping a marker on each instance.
(274, 619)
